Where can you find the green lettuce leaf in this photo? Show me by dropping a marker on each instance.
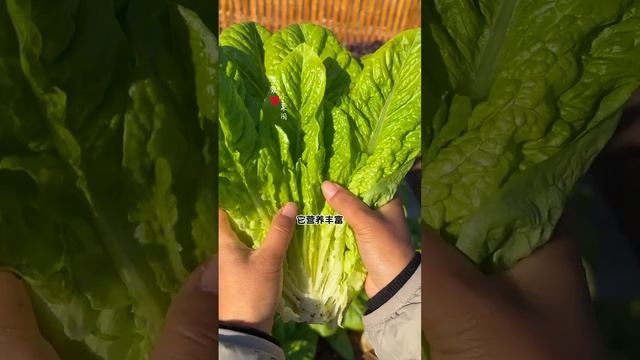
(522, 95)
(107, 192)
(298, 341)
(298, 109)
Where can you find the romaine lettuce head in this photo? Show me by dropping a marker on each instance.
(107, 113)
(521, 96)
(296, 109)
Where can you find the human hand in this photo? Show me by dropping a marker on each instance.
(190, 331)
(540, 309)
(252, 279)
(20, 337)
(382, 235)
(191, 325)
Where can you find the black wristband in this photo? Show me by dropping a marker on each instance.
(249, 331)
(394, 286)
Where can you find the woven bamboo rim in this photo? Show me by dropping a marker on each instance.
(354, 21)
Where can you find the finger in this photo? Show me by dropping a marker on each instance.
(191, 325)
(393, 212)
(444, 259)
(280, 233)
(450, 281)
(552, 282)
(553, 275)
(210, 276)
(20, 337)
(357, 213)
(228, 238)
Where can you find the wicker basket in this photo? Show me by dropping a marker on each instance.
(353, 21)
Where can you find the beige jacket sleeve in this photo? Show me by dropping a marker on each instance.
(235, 345)
(394, 328)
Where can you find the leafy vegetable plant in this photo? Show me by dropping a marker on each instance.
(296, 108)
(521, 96)
(107, 182)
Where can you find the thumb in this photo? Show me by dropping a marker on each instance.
(357, 213)
(451, 282)
(280, 233)
(190, 330)
(20, 338)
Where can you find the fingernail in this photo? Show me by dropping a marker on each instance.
(290, 210)
(329, 189)
(209, 279)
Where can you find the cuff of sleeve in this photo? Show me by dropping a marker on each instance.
(248, 330)
(245, 340)
(404, 296)
(389, 291)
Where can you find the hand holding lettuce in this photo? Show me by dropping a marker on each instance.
(107, 182)
(251, 285)
(521, 97)
(539, 309)
(187, 332)
(251, 280)
(384, 243)
(357, 124)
